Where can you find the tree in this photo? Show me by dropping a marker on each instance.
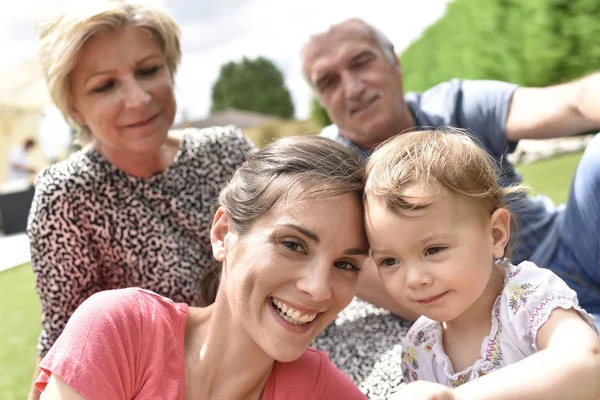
(253, 85)
(531, 43)
(318, 113)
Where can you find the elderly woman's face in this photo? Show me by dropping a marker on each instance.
(123, 91)
(294, 271)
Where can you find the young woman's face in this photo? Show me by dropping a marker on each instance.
(123, 91)
(437, 261)
(294, 271)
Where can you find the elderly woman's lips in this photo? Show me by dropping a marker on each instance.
(142, 123)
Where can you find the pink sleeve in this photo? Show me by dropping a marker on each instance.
(97, 351)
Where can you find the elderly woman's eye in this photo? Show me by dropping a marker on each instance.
(148, 71)
(104, 87)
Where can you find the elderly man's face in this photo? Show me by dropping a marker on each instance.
(361, 90)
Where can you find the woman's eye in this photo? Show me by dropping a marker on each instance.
(387, 262)
(293, 246)
(148, 71)
(346, 266)
(434, 250)
(104, 87)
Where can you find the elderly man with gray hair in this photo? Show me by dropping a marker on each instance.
(354, 71)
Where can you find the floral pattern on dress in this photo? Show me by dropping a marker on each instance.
(493, 351)
(462, 379)
(526, 301)
(409, 357)
(518, 294)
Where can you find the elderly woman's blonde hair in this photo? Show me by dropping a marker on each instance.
(64, 27)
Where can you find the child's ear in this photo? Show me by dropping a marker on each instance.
(219, 234)
(500, 224)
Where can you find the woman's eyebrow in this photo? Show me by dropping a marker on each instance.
(303, 231)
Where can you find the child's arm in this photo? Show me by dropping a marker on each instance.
(566, 367)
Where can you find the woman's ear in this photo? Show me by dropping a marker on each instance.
(500, 224)
(219, 232)
(76, 116)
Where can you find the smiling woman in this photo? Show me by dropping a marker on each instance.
(134, 206)
(290, 238)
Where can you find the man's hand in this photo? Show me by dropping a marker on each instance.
(423, 390)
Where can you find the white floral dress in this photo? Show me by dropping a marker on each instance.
(527, 300)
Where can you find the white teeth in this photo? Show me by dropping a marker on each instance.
(292, 316)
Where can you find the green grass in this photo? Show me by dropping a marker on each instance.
(19, 305)
(20, 325)
(551, 177)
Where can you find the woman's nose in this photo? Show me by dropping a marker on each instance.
(316, 282)
(135, 95)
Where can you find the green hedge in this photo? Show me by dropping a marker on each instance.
(532, 43)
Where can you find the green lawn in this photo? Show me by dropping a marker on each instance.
(551, 177)
(19, 328)
(20, 309)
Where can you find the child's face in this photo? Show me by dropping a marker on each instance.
(439, 260)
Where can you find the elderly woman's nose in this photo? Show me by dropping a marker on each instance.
(134, 94)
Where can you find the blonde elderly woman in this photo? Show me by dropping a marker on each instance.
(134, 206)
(290, 235)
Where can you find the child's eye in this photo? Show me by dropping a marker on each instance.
(388, 262)
(431, 251)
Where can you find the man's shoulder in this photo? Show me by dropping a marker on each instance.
(331, 132)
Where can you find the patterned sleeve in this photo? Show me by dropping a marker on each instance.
(531, 295)
(63, 262)
(227, 145)
(234, 147)
(418, 355)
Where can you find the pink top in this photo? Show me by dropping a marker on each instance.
(128, 344)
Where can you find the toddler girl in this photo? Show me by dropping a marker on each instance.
(439, 232)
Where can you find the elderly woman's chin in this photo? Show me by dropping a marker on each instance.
(145, 134)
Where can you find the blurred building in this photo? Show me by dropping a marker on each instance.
(23, 95)
(241, 118)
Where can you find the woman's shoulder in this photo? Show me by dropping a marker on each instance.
(129, 308)
(131, 299)
(79, 169)
(221, 139)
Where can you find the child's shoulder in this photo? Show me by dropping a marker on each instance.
(530, 295)
(528, 281)
(424, 332)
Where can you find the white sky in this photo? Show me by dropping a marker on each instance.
(218, 31)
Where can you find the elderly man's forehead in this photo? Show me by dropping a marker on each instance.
(339, 41)
(348, 30)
